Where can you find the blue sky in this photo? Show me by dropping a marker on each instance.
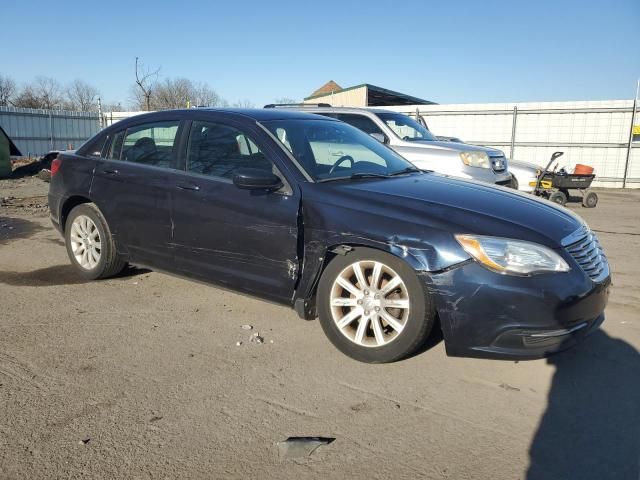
(448, 52)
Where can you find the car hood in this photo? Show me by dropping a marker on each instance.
(459, 206)
(523, 164)
(455, 146)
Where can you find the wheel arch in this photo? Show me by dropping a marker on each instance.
(305, 295)
(68, 205)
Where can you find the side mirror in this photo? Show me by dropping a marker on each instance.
(256, 179)
(379, 136)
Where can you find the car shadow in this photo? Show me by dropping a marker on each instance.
(591, 428)
(17, 228)
(57, 275)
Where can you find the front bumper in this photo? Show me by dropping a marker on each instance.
(487, 315)
(486, 175)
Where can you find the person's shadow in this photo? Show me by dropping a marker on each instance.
(591, 428)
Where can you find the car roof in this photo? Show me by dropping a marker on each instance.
(258, 114)
(255, 114)
(313, 108)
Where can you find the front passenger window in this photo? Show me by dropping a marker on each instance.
(219, 150)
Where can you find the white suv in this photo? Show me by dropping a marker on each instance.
(415, 143)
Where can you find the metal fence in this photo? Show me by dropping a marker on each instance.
(35, 132)
(597, 133)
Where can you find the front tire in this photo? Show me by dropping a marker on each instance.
(89, 243)
(373, 307)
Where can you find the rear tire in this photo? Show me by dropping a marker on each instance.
(590, 199)
(89, 243)
(373, 307)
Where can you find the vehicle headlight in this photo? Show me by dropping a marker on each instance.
(475, 158)
(513, 257)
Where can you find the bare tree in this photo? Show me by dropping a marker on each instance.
(172, 93)
(82, 97)
(113, 107)
(285, 100)
(27, 98)
(205, 96)
(244, 104)
(44, 93)
(180, 93)
(7, 90)
(145, 80)
(49, 91)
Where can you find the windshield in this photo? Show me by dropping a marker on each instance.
(406, 127)
(330, 150)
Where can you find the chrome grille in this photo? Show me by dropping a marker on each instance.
(588, 253)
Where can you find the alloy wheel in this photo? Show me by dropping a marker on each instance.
(369, 303)
(85, 242)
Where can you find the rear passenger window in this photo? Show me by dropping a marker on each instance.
(360, 121)
(149, 144)
(219, 150)
(95, 146)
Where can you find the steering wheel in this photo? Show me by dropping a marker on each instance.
(339, 161)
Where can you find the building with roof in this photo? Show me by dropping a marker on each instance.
(363, 95)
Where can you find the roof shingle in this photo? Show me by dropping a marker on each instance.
(329, 87)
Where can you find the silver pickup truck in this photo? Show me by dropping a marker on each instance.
(415, 143)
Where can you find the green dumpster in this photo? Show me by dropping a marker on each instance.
(7, 148)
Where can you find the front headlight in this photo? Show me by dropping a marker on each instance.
(513, 257)
(475, 158)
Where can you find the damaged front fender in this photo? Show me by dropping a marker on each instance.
(328, 230)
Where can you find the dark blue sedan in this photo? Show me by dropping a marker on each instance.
(313, 213)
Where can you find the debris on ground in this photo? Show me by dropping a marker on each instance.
(246, 327)
(84, 441)
(29, 168)
(36, 204)
(358, 406)
(508, 387)
(5, 201)
(256, 338)
(295, 447)
(45, 175)
(238, 344)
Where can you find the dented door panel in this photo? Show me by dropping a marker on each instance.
(242, 239)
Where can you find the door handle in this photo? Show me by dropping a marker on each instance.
(109, 171)
(188, 186)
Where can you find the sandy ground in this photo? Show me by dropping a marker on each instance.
(140, 377)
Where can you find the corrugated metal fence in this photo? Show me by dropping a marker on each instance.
(35, 132)
(596, 133)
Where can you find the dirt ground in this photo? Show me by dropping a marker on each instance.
(141, 377)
